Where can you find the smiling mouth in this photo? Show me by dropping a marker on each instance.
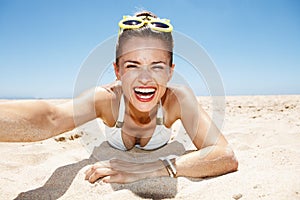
(145, 94)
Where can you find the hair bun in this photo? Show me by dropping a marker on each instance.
(145, 13)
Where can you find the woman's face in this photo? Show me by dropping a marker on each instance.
(144, 69)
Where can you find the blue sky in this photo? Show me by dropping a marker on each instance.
(255, 44)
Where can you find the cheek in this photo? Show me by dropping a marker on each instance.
(128, 77)
(162, 79)
(127, 81)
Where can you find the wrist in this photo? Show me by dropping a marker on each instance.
(159, 170)
(169, 165)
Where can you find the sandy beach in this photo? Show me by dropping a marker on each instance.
(264, 132)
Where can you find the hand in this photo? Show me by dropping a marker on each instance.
(119, 171)
(99, 170)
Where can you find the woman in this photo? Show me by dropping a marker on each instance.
(138, 109)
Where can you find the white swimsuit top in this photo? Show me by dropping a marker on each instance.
(160, 137)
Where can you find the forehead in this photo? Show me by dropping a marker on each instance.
(144, 48)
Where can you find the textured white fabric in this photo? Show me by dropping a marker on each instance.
(160, 137)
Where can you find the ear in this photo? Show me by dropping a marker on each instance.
(171, 71)
(117, 71)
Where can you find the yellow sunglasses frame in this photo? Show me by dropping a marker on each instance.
(145, 20)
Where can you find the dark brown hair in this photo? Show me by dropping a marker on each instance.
(145, 32)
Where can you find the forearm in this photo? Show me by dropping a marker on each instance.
(209, 161)
(27, 121)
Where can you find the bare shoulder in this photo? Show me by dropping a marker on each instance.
(181, 93)
(107, 92)
(106, 99)
(177, 99)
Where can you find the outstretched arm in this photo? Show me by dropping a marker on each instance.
(27, 120)
(34, 120)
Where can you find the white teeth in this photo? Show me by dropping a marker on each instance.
(145, 93)
(144, 90)
(146, 96)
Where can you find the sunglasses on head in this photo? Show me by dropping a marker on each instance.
(157, 24)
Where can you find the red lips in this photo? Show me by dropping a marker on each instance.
(145, 93)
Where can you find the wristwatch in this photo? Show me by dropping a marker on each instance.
(169, 166)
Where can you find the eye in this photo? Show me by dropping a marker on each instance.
(131, 66)
(158, 67)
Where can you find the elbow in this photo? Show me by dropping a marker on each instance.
(232, 163)
(44, 123)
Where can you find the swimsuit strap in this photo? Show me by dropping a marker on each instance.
(120, 121)
(160, 115)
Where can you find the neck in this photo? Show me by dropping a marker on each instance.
(139, 116)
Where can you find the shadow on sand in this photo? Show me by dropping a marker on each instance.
(62, 177)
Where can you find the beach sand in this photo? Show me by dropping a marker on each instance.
(264, 132)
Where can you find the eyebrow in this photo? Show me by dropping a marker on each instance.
(137, 62)
(158, 62)
(131, 61)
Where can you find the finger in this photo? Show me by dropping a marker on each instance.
(104, 164)
(113, 179)
(91, 169)
(99, 173)
(106, 179)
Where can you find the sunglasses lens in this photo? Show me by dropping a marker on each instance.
(160, 25)
(132, 22)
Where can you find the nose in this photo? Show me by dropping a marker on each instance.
(145, 76)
